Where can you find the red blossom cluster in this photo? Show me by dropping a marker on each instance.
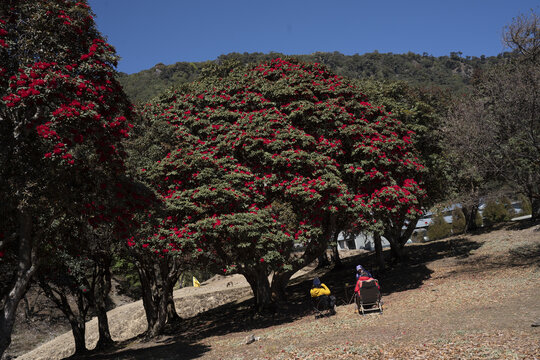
(80, 104)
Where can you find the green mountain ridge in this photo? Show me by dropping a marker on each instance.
(453, 72)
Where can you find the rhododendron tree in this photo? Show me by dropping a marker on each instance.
(63, 117)
(421, 110)
(274, 155)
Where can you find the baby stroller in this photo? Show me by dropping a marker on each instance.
(368, 296)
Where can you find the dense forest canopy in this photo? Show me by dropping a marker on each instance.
(452, 72)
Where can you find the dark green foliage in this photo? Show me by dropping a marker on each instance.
(495, 212)
(505, 201)
(458, 221)
(146, 84)
(125, 272)
(439, 229)
(451, 72)
(526, 208)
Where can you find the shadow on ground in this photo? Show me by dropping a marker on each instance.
(182, 338)
(171, 348)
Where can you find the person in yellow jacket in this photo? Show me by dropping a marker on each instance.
(321, 292)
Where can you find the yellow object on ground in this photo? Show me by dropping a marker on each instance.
(196, 282)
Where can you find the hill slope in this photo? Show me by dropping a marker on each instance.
(452, 72)
(466, 297)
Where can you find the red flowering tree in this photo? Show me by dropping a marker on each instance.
(274, 155)
(62, 119)
(421, 110)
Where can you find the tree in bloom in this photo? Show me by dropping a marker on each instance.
(273, 155)
(421, 110)
(63, 118)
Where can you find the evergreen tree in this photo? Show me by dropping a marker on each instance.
(458, 221)
(439, 228)
(63, 117)
(274, 154)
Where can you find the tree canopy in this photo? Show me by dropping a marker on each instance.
(272, 155)
(63, 117)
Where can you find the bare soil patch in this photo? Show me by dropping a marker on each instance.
(468, 297)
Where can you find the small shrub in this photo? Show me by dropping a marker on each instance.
(495, 213)
(526, 207)
(439, 228)
(508, 206)
(458, 221)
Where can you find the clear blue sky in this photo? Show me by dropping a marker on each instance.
(147, 32)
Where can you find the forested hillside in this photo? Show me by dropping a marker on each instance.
(451, 72)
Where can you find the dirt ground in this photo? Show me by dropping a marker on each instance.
(468, 297)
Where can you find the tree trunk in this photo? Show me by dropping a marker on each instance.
(170, 271)
(105, 338)
(335, 252)
(148, 302)
(77, 320)
(379, 251)
(397, 237)
(470, 218)
(160, 318)
(78, 330)
(535, 208)
(279, 285)
(323, 260)
(258, 280)
(313, 251)
(103, 287)
(158, 277)
(397, 251)
(338, 264)
(172, 315)
(26, 269)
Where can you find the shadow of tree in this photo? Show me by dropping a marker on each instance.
(412, 273)
(170, 348)
(239, 316)
(182, 337)
(523, 224)
(525, 255)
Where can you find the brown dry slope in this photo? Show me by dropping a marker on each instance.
(471, 297)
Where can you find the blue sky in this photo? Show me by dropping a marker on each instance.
(148, 32)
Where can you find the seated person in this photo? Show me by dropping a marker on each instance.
(320, 292)
(364, 276)
(361, 271)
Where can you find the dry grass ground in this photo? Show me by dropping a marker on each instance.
(468, 297)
